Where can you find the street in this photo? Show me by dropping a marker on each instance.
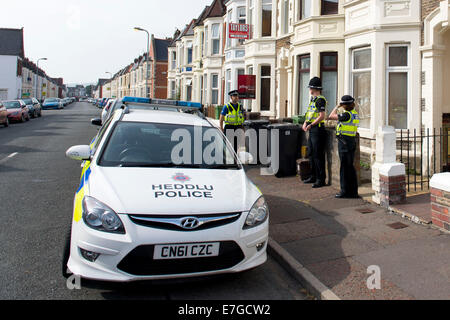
(36, 199)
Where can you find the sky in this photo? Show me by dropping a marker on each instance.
(83, 39)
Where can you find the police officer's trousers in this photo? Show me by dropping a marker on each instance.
(349, 180)
(316, 150)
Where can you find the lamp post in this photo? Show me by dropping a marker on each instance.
(147, 93)
(110, 83)
(37, 75)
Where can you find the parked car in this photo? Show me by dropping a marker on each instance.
(17, 110)
(3, 115)
(52, 103)
(34, 107)
(139, 216)
(106, 109)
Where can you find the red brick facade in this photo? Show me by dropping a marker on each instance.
(160, 80)
(440, 207)
(392, 190)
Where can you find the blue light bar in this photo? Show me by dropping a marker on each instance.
(189, 104)
(136, 100)
(162, 102)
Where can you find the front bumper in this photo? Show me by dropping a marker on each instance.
(50, 107)
(15, 117)
(123, 257)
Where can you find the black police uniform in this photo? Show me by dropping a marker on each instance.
(234, 127)
(347, 149)
(316, 147)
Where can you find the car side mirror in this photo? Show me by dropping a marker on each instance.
(97, 122)
(245, 157)
(79, 153)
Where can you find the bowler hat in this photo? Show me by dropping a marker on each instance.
(315, 83)
(347, 100)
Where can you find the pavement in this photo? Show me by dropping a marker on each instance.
(38, 183)
(330, 245)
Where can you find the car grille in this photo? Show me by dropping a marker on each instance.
(140, 262)
(176, 222)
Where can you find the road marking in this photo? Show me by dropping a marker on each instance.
(12, 155)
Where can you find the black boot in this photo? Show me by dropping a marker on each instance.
(318, 185)
(310, 180)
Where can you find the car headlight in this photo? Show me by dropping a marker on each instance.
(258, 214)
(100, 217)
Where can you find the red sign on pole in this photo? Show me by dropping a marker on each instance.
(247, 86)
(239, 31)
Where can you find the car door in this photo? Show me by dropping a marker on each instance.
(37, 105)
(3, 113)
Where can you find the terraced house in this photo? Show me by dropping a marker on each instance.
(389, 54)
(19, 76)
(139, 80)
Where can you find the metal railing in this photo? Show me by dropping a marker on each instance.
(423, 153)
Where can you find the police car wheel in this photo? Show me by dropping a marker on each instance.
(66, 254)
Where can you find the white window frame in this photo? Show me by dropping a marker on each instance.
(285, 17)
(215, 38)
(271, 18)
(354, 71)
(406, 70)
(251, 11)
(229, 20)
(205, 49)
(241, 14)
(214, 88)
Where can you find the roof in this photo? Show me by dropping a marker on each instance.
(199, 21)
(188, 30)
(161, 49)
(11, 42)
(217, 9)
(155, 116)
(101, 82)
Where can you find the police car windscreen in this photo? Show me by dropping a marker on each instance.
(133, 144)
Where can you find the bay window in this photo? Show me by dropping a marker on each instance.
(265, 88)
(361, 83)
(214, 88)
(266, 27)
(305, 9)
(304, 63)
(329, 7)
(329, 75)
(397, 86)
(215, 35)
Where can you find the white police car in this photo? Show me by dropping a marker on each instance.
(163, 195)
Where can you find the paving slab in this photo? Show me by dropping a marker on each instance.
(420, 266)
(293, 231)
(330, 247)
(347, 278)
(335, 242)
(416, 206)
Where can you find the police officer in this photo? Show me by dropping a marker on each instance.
(315, 125)
(232, 115)
(346, 130)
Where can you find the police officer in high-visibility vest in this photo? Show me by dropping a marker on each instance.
(347, 129)
(315, 125)
(233, 116)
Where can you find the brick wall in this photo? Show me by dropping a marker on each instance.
(392, 190)
(427, 7)
(440, 204)
(161, 80)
